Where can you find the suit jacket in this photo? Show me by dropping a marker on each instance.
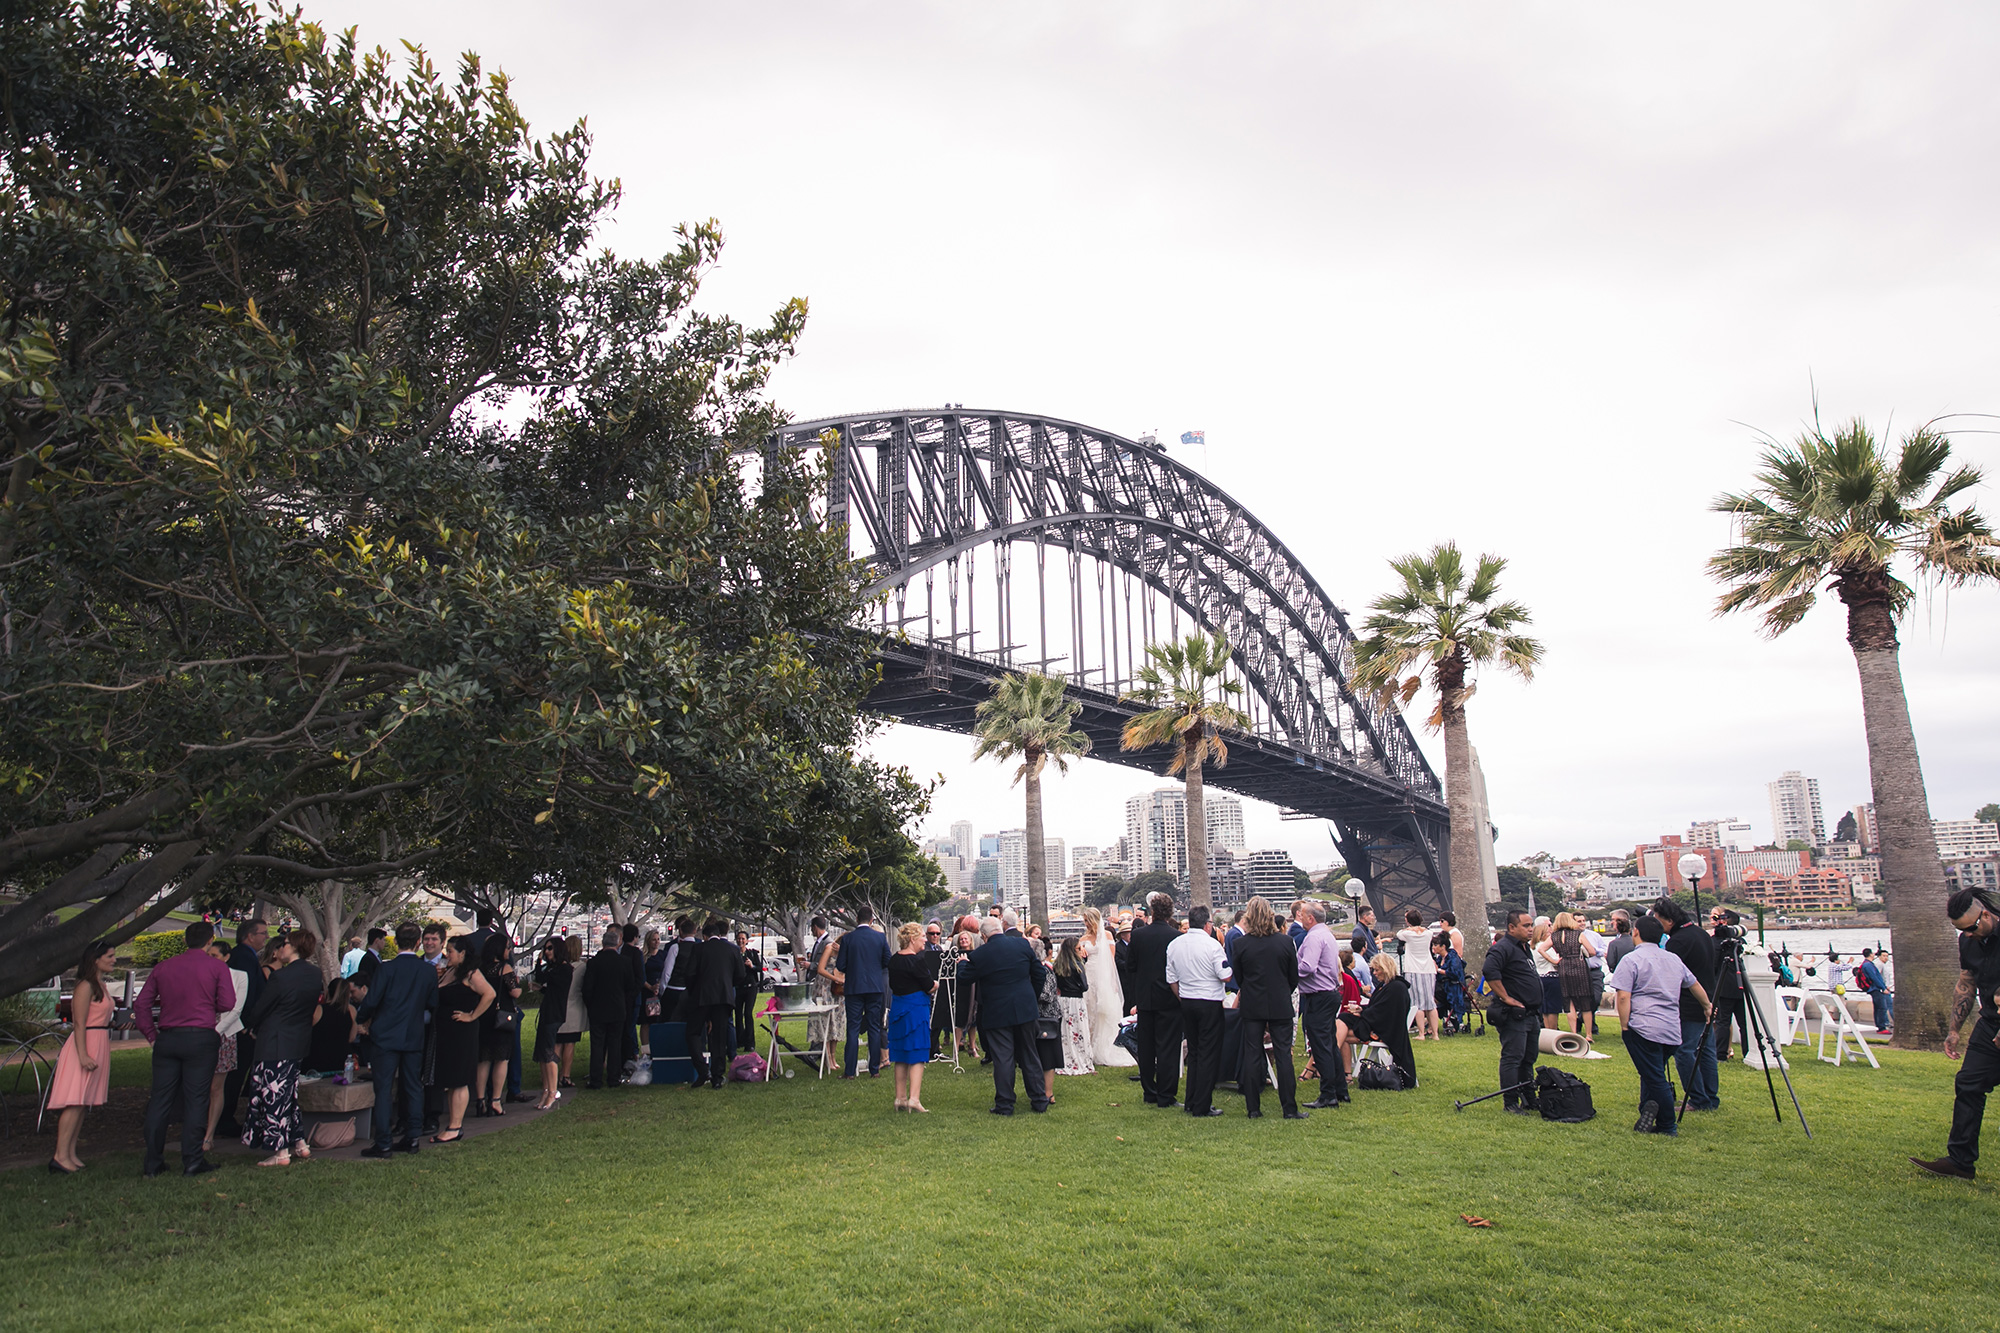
(604, 980)
(244, 959)
(635, 973)
(282, 1015)
(405, 990)
(864, 960)
(718, 971)
(1149, 967)
(1267, 972)
(1010, 980)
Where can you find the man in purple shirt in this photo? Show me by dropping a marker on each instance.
(192, 989)
(1319, 1002)
(1649, 982)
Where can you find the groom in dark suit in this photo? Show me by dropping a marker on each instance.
(405, 990)
(1009, 977)
(1159, 1007)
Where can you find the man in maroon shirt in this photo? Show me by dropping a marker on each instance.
(192, 989)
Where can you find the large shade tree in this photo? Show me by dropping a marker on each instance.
(1449, 622)
(1846, 512)
(1186, 697)
(1029, 718)
(345, 474)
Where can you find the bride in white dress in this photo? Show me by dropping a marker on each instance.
(1106, 996)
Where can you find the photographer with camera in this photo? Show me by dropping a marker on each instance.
(1650, 986)
(1695, 1059)
(1976, 917)
(1726, 929)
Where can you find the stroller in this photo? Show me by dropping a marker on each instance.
(1451, 1002)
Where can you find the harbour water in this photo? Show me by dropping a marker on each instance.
(1812, 944)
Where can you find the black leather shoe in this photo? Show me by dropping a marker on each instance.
(1324, 1103)
(201, 1168)
(1521, 1110)
(519, 1097)
(1166, 1106)
(1295, 1115)
(1944, 1166)
(152, 1171)
(1203, 1115)
(1000, 1110)
(1253, 1115)
(407, 1145)
(377, 1153)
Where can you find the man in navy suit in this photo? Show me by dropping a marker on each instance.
(405, 991)
(1009, 977)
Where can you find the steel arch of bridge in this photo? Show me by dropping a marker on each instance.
(922, 493)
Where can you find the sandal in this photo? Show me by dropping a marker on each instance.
(494, 1106)
(455, 1136)
(302, 1151)
(277, 1159)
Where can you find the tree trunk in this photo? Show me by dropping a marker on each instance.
(1197, 840)
(1468, 887)
(1038, 852)
(1921, 941)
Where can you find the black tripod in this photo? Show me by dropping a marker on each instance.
(1753, 1019)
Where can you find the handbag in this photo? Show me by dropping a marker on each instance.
(507, 1020)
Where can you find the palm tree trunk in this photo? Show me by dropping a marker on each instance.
(1926, 963)
(1038, 862)
(1197, 839)
(1468, 886)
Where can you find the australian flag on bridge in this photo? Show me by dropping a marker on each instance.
(1194, 437)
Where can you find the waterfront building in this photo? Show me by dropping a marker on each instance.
(1156, 832)
(1810, 891)
(1866, 828)
(1960, 838)
(1732, 833)
(1795, 812)
(1013, 852)
(1223, 816)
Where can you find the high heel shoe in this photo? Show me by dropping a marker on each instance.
(918, 1107)
(902, 1105)
(58, 1169)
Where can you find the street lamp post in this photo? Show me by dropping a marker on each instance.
(1355, 889)
(1692, 868)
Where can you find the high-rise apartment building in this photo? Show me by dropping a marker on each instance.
(1013, 849)
(1055, 868)
(1084, 857)
(986, 877)
(1732, 834)
(961, 839)
(1270, 874)
(1865, 828)
(1795, 812)
(989, 844)
(1156, 832)
(1958, 838)
(1223, 816)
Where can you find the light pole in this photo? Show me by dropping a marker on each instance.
(1692, 868)
(1355, 889)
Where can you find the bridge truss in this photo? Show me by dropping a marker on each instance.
(963, 518)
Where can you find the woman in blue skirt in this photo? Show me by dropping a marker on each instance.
(912, 980)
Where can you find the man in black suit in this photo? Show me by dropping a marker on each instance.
(404, 991)
(635, 991)
(1009, 977)
(718, 971)
(1266, 972)
(245, 958)
(605, 978)
(1159, 1008)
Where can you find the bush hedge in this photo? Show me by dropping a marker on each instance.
(150, 950)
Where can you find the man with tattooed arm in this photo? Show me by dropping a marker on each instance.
(1978, 923)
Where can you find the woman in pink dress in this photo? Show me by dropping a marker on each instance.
(83, 1068)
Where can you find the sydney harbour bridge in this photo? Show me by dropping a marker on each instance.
(1003, 541)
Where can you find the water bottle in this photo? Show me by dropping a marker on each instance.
(348, 1071)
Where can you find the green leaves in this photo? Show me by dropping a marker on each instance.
(1441, 620)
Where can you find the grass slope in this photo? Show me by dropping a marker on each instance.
(811, 1205)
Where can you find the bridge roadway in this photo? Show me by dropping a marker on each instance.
(1388, 834)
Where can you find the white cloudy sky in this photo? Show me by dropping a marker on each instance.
(1530, 276)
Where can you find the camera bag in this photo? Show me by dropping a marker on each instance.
(1563, 1096)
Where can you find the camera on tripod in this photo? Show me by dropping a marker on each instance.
(1734, 934)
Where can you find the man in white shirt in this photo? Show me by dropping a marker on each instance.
(1198, 971)
(352, 958)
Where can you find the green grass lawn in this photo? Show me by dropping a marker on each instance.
(812, 1205)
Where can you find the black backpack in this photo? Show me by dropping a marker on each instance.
(1563, 1096)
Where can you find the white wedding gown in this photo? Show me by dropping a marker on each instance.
(1107, 1003)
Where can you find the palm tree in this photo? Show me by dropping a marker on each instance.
(1176, 684)
(1842, 511)
(1440, 620)
(1029, 719)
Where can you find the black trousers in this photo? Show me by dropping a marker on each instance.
(1160, 1054)
(1520, 1047)
(183, 1066)
(746, 1019)
(1008, 1047)
(1319, 1011)
(1976, 1077)
(390, 1066)
(607, 1048)
(1727, 1010)
(1201, 1021)
(628, 1037)
(1250, 1066)
(232, 1084)
(714, 1022)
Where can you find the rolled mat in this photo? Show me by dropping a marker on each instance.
(1557, 1042)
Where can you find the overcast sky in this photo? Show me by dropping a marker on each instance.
(1529, 276)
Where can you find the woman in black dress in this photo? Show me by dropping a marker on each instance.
(552, 975)
(1385, 1018)
(500, 1029)
(463, 999)
(333, 1034)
